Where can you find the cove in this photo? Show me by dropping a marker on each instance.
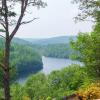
(51, 64)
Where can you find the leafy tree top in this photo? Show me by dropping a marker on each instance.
(88, 8)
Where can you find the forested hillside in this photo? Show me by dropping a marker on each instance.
(58, 47)
(53, 40)
(54, 50)
(23, 58)
(26, 57)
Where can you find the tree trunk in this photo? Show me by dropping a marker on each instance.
(6, 71)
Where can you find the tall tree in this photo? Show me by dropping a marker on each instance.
(9, 17)
(88, 45)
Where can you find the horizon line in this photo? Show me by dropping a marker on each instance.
(44, 37)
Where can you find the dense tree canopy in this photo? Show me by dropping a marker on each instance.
(56, 85)
(87, 47)
(24, 60)
(9, 17)
(60, 50)
(88, 44)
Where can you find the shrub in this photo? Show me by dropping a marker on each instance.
(48, 98)
(26, 98)
(91, 92)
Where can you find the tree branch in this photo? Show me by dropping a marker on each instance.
(26, 22)
(23, 8)
(3, 25)
(2, 22)
(31, 2)
(2, 36)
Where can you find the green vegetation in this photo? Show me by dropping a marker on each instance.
(54, 50)
(65, 82)
(70, 80)
(24, 60)
(58, 47)
(57, 50)
(52, 47)
(56, 85)
(90, 92)
(87, 47)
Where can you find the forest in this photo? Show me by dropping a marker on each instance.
(58, 84)
(22, 56)
(58, 47)
(54, 50)
(73, 82)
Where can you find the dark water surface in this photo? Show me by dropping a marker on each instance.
(50, 64)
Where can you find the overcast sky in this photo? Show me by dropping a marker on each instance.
(54, 20)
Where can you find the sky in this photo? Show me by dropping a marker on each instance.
(57, 19)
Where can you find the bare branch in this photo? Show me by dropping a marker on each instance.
(3, 25)
(26, 22)
(2, 36)
(31, 2)
(85, 20)
(23, 8)
(2, 22)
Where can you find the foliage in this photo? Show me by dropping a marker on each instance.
(9, 17)
(48, 98)
(1, 78)
(1, 92)
(66, 81)
(16, 92)
(36, 87)
(87, 47)
(54, 50)
(26, 98)
(24, 60)
(91, 92)
(88, 9)
(56, 85)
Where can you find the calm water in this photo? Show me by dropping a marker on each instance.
(50, 64)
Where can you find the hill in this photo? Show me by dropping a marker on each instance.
(53, 40)
(21, 41)
(23, 58)
(52, 47)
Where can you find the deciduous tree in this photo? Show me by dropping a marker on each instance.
(9, 17)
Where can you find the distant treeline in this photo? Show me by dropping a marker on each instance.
(53, 47)
(54, 50)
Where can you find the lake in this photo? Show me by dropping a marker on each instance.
(51, 64)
